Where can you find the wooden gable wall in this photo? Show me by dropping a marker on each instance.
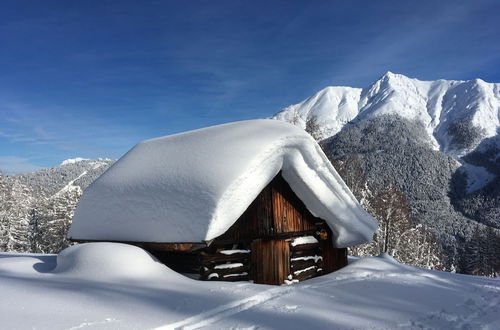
(276, 212)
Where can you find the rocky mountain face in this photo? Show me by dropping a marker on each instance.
(36, 208)
(435, 144)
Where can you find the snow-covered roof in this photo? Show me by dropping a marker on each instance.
(193, 186)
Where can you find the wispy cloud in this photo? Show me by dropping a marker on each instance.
(42, 133)
(15, 165)
(422, 44)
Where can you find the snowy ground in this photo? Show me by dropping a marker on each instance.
(115, 286)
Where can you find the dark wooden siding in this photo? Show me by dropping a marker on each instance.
(276, 212)
(270, 261)
(333, 258)
(255, 222)
(289, 212)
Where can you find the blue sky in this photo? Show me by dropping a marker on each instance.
(92, 78)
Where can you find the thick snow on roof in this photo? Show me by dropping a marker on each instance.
(193, 186)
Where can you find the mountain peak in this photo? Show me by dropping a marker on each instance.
(72, 160)
(442, 106)
(389, 74)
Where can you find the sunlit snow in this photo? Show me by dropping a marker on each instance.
(111, 286)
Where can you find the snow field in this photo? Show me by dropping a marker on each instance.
(84, 288)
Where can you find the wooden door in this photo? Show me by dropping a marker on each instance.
(270, 261)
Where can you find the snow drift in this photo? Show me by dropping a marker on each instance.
(109, 261)
(370, 293)
(193, 186)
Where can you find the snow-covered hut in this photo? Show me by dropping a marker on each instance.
(253, 200)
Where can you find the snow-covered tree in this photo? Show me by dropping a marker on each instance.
(314, 128)
(4, 224)
(397, 235)
(54, 220)
(15, 217)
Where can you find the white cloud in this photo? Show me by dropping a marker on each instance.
(15, 165)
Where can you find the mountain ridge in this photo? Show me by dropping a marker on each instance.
(457, 114)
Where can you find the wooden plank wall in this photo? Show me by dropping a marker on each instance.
(333, 258)
(270, 262)
(289, 212)
(275, 212)
(255, 222)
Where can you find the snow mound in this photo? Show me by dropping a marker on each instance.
(193, 186)
(73, 161)
(109, 261)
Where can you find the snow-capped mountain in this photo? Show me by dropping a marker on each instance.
(457, 115)
(434, 142)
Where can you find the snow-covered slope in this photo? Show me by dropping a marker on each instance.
(72, 174)
(72, 161)
(192, 187)
(332, 106)
(448, 108)
(115, 286)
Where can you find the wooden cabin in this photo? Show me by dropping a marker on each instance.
(275, 240)
(239, 223)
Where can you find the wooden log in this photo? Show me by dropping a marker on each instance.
(221, 258)
(310, 246)
(226, 271)
(234, 278)
(211, 265)
(301, 264)
(217, 276)
(156, 246)
(185, 247)
(305, 276)
(304, 273)
(305, 253)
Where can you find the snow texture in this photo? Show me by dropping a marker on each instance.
(230, 252)
(62, 292)
(477, 176)
(73, 160)
(227, 266)
(314, 257)
(441, 105)
(303, 270)
(304, 240)
(193, 186)
(235, 275)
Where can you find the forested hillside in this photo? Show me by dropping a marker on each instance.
(411, 190)
(36, 208)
